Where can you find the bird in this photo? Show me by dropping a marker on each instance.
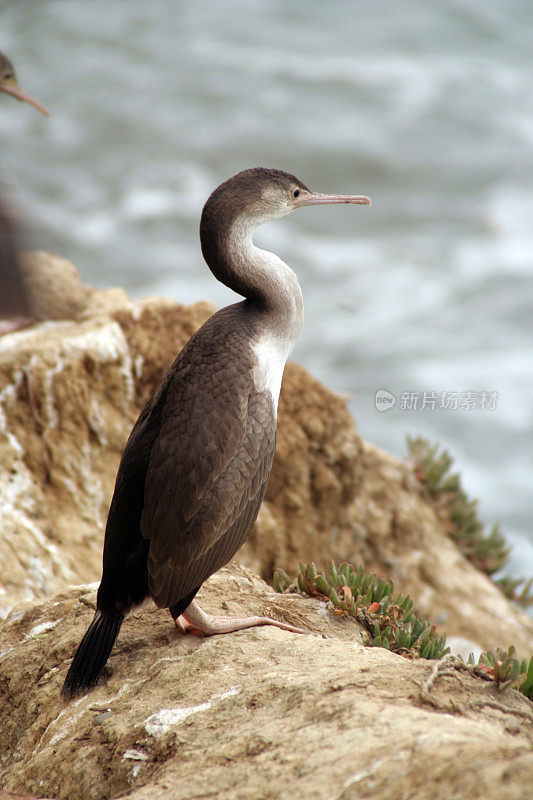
(9, 85)
(15, 304)
(196, 465)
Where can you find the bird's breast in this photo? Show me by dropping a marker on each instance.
(270, 357)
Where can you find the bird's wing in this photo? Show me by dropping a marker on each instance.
(207, 474)
(124, 578)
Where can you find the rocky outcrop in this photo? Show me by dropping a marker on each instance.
(54, 287)
(69, 394)
(259, 713)
(256, 714)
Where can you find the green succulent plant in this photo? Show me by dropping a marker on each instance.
(489, 551)
(519, 590)
(391, 622)
(507, 670)
(432, 467)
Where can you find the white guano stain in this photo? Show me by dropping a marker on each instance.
(106, 345)
(134, 755)
(159, 723)
(64, 727)
(7, 397)
(43, 627)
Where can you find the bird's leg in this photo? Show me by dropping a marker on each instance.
(197, 620)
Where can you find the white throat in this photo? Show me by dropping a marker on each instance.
(268, 368)
(282, 318)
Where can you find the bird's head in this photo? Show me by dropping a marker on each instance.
(260, 195)
(9, 85)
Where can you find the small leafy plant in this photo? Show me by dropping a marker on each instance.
(519, 590)
(507, 670)
(391, 623)
(488, 551)
(432, 467)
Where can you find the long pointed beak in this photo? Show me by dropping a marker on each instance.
(315, 199)
(15, 91)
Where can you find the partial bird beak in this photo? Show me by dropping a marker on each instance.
(12, 88)
(315, 199)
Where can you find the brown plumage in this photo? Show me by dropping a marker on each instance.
(195, 530)
(196, 465)
(13, 295)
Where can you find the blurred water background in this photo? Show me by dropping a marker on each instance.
(426, 107)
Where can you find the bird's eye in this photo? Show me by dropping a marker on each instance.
(296, 193)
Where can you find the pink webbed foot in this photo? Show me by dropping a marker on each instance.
(195, 620)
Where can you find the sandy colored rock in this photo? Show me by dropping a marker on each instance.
(255, 714)
(69, 394)
(54, 286)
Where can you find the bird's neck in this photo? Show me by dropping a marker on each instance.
(269, 285)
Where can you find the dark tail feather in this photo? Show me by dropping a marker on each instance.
(92, 654)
